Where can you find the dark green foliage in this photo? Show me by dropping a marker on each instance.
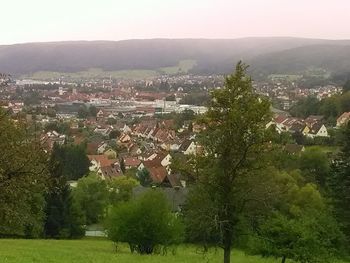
(145, 223)
(144, 177)
(120, 189)
(339, 184)
(91, 194)
(75, 163)
(330, 108)
(23, 181)
(114, 134)
(111, 121)
(305, 107)
(60, 127)
(315, 166)
(63, 217)
(83, 112)
(300, 227)
(93, 111)
(122, 165)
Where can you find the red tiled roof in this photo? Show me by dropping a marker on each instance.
(158, 174)
(102, 159)
(130, 161)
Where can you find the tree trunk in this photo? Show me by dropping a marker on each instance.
(227, 242)
(227, 254)
(284, 259)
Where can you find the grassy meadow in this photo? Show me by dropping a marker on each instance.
(93, 73)
(103, 251)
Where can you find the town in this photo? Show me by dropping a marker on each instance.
(131, 125)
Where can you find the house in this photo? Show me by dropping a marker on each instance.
(100, 114)
(343, 119)
(124, 138)
(126, 129)
(91, 148)
(103, 131)
(50, 138)
(131, 162)
(104, 167)
(162, 135)
(188, 147)
(277, 121)
(102, 147)
(157, 173)
(110, 172)
(317, 130)
(134, 149)
(312, 119)
(171, 145)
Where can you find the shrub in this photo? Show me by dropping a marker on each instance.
(145, 223)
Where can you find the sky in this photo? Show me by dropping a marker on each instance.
(61, 20)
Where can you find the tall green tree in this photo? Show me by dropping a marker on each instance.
(63, 216)
(91, 194)
(76, 163)
(23, 176)
(339, 184)
(234, 140)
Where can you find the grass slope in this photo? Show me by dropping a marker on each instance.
(102, 251)
(97, 73)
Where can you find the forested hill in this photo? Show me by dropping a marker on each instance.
(210, 56)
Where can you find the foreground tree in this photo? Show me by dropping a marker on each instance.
(339, 184)
(145, 223)
(300, 228)
(63, 216)
(91, 194)
(23, 176)
(234, 142)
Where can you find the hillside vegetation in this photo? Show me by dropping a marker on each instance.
(171, 56)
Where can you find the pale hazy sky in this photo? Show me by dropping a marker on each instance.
(58, 20)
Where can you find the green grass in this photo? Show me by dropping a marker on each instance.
(100, 250)
(93, 73)
(183, 67)
(103, 251)
(324, 148)
(289, 77)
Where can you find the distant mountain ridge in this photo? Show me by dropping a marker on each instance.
(268, 55)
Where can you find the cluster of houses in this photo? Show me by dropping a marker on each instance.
(313, 126)
(149, 144)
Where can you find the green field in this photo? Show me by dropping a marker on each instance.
(102, 251)
(183, 67)
(94, 73)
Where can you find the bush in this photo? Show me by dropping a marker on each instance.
(145, 223)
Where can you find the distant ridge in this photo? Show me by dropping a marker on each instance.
(268, 55)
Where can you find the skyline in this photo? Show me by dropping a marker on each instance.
(47, 21)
